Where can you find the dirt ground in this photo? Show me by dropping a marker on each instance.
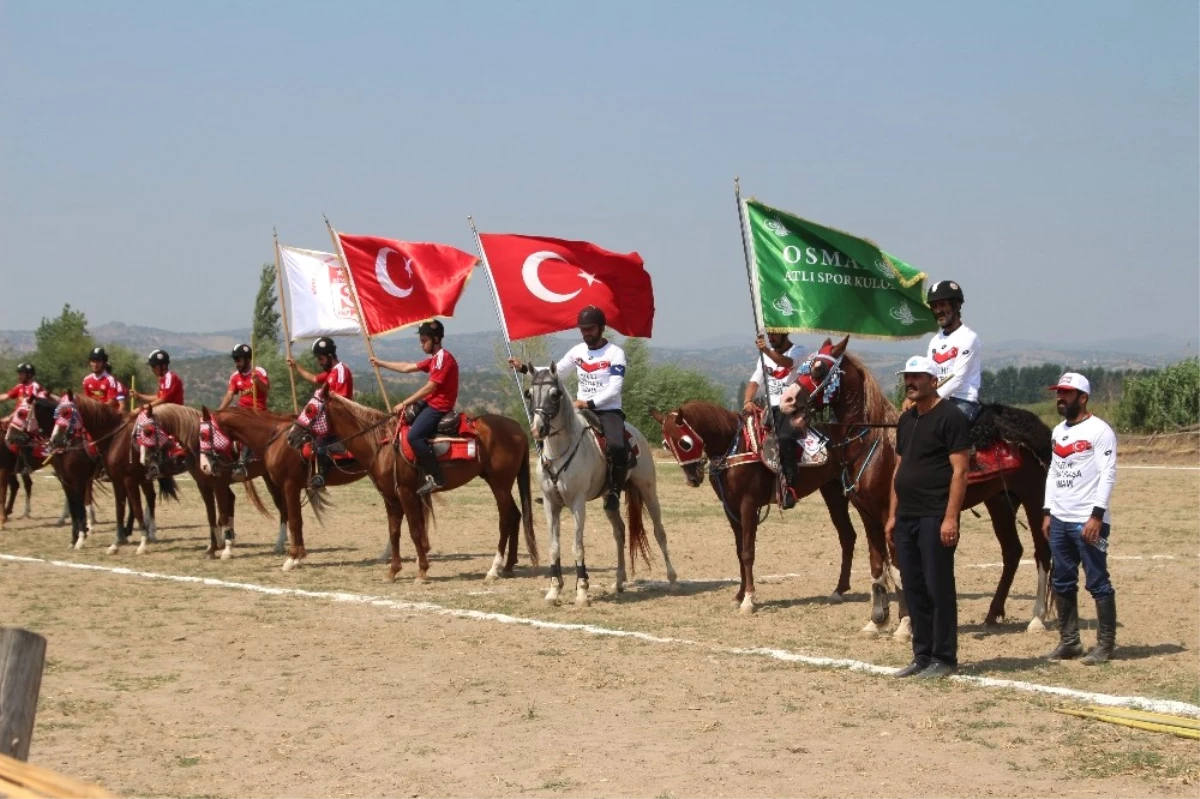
(162, 688)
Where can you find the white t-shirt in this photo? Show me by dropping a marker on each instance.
(959, 363)
(778, 377)
(601, 373)
(1083, 470)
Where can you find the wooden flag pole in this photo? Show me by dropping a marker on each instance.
(337, 243)
(487, 270)
(754, 299)
(287, 333)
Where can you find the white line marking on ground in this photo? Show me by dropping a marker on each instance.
(1144, 703)
(1165, 468)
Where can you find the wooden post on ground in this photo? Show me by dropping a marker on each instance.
(22, 657)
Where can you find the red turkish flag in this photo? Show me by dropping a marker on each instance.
(402, 282)
(543, 283)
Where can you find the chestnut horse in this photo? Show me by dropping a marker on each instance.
(502, 460)
(285, 471)
(700, 434)
(862, 446)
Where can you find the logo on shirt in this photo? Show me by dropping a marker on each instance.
(941, 357)
(595, 367)
(1067, 450)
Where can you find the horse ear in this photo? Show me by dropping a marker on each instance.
(656, 414)
(840, 348)
(149, 410)
(205, 414)
(553, 368)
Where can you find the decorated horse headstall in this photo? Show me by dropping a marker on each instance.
(213, 441)
(312, 419)
(822, 392)
(68, 423)
(148, 433)
(689, 447)
(23, 428)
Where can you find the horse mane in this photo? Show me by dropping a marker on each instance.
(876, 405)
(247, 414)
(710, 416)
(362, 414)
(97, 414)
(183, 422)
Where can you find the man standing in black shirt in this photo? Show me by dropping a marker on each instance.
(932, 443)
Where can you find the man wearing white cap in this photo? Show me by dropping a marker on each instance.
(1083, 471)
(932, 452)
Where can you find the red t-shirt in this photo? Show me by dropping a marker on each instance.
(339, 380)
(103, 387)
(31, 389)
(170, 388)
(251, 395)
(443, 371)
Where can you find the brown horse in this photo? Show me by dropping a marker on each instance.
(862, 444)
(9, 487)
(700, 434)
(503, 459)
(183, 424)
(285, 470)
(26, 427)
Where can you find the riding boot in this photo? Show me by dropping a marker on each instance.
(616, 481)
(239, 469)
(1069, 645)
(787, 470)
(433, 474)
(317, 481)
(1106, 634)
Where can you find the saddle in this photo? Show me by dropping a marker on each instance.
(335, 452)
(457, 438)
(999, 457)
(1002, 437)
(762, 441)
(632, 450)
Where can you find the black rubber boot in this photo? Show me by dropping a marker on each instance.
(317, 481)
(787, 470)
(433, 474)
(617, 474)
(1069, 646)
(1106, 635)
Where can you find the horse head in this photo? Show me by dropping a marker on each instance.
(683, 442)
(23, 427)
(214, 444)
(68, 424)
(545, 398)
(312, 422)
(818, 383)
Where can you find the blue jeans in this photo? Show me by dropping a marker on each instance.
(423, 428)
(1069, 550)
(970, 409)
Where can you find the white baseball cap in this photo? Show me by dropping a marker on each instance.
(1073, 380)
(918, 364)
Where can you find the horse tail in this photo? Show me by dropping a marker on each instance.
(319, 502)
(428, 517)
(255, 500)
(523, 487)
(168, 489)
(638, 545)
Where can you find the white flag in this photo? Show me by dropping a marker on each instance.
(318, 294)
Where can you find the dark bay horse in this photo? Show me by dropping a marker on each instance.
(833, 381)
(9, 487)
(29, 426)
(700, 434)
(503, 459)
(285, 471)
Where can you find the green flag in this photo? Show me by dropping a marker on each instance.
(814, 279)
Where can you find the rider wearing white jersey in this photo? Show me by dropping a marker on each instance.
(955, 350)
(600, 365)
(781, 357)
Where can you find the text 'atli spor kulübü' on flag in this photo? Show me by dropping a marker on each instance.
(319, 301)
(814, 279)
(400, 283)
(543, 283)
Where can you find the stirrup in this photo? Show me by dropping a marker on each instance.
(430, 485)
(316, 482)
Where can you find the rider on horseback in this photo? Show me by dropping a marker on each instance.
(100, 385)
(250, 384)
(784, 355)
(336, 376)
(434, 400)
(601, 369)
(170, 385)
(30, 389)
(955, 350)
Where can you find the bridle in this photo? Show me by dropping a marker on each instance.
(690, 447)
(549, 401)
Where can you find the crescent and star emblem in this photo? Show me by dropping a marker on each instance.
(533, 282)
(385, 280)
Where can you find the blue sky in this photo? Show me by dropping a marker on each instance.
(1045, 155)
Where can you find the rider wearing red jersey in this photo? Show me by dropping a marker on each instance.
(170, 385)
(100, 385)
(26, 387)
(336, 375)
(249, 383)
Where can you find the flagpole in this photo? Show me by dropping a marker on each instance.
(487, 270)
(754, 304)
(287, 334)
(362, 322)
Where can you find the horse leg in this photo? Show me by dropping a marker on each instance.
(839, 513)
(225, 502)
(414, 509)
(618, 529)
(510, 525)
(395, 515)
(553, 523)
(8, 495)
(881, 576)
(1004, 523)
(579, 511)
(650, 499)
(281, 540)
(210, 510)
(119, 498)
(148, 523)
(78, 517)
(749, 513)
(295, 523)
(90, 504)
(1041, 554)
(28, 481)
(66, 513)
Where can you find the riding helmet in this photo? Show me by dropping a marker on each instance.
(324, 346)
(241, 351)
(433, 328)
(159, 358)
(944, 290)
(26, 369)
(98, 354)
(591, 315)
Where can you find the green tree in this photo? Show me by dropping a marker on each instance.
(1161, 400)
(125, 365)
(267, 341)
(662, 386)
(534, 351)
(63, 344)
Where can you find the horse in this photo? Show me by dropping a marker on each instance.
(702, 435)
(184, 425)
(862, 445)
(501, 459)
(88, 434)
(574, 471)
(9, 486)
(286, 471)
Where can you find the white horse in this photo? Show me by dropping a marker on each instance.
(573, 471)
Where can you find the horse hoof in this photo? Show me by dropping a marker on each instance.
(871, 629)
(618, 588)
(747, 608)
(420, 581)
(551, 601)
(113, 549)
(141, 550)
(836, 598)
(491, 577)
(903, 630)
(289, 564)
(226, 553)
(582, 601)
(507, 573)
(391, 576)
(79, 543)
(1036, 626)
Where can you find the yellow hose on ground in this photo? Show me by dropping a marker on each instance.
(1181, 732)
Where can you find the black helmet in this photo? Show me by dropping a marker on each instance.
(26, 368)
(591, 315)
(241, 351)
(324, 346)
(433, 328)
(159, 358)
(98, 354)
(944, 290)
